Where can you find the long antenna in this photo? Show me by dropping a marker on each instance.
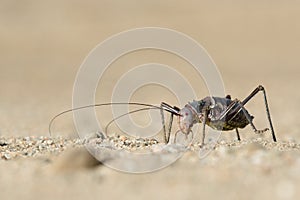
(120, 116)
(97, 105)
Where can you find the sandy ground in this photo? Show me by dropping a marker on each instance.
(252, 43)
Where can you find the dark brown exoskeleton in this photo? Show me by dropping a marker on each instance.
(222, 114)
(219, 113)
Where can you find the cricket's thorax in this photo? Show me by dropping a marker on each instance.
(213, 108)
(231, 120)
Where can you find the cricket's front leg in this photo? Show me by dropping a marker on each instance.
(174, 111)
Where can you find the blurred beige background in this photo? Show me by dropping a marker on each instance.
(43, 43)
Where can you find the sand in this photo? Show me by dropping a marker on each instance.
(64, 169)
(44, 43)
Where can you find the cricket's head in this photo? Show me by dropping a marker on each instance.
(192, 113)
(186, 119)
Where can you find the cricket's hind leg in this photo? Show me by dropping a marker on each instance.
(255, 91)
(247, 115)
(249, 118)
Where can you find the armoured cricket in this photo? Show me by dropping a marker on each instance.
(220, 113)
